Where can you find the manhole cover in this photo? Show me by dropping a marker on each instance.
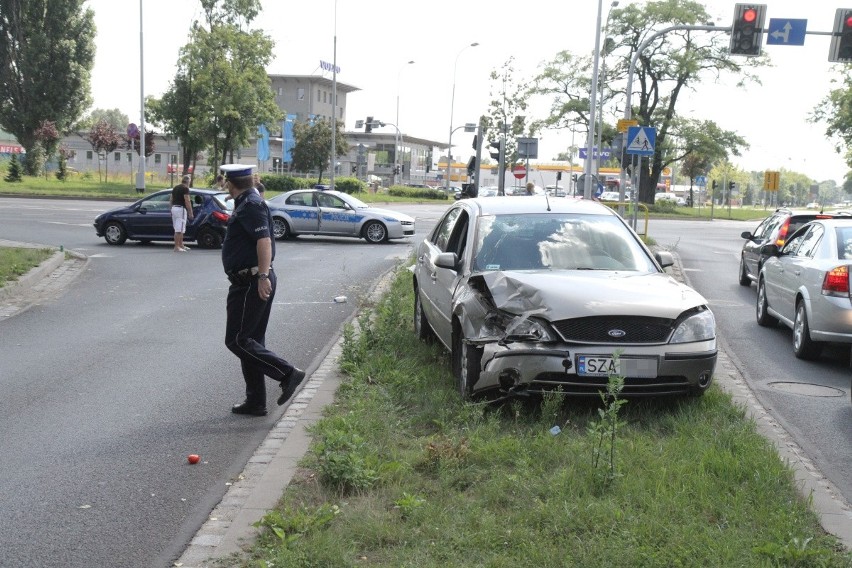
(807, 389)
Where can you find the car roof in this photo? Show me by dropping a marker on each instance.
(501, 205)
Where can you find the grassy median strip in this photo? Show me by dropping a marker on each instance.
(402, 473)
(15, 262)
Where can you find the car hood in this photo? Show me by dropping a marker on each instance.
(557, 295)
(114, 210)
(385, 213)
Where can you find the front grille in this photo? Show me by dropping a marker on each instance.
(593, 386)
(606, 329)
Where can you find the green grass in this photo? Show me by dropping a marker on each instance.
(15, 262)
(402, 473)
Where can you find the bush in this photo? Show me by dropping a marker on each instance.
(417, 192)
(13, 170)
(349, 185)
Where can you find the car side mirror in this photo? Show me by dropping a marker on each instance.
(746, 235)
(447, 260)
(770, 250)
(665, 258)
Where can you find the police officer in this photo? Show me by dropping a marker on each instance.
(247, 254)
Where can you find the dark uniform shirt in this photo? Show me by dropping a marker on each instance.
(250, 222)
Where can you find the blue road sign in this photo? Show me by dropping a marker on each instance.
(786, 31)
(700, 181)
(641, 140)
(604, 155)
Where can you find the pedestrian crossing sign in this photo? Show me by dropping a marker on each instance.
(641, 140)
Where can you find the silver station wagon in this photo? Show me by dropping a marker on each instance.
(531, 294)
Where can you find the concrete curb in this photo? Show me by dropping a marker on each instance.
(26, 281)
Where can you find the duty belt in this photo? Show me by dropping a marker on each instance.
(244, 276)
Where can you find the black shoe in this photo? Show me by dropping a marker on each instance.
(250, 409)
(288, 386)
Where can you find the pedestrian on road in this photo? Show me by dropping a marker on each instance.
(258, 185)
(219, 184)
(181, 211)
(247, 254)
(530, 188)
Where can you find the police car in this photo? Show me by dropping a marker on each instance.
(334, 213)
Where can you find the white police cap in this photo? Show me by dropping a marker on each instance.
(236, 170)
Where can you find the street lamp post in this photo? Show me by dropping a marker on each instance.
(612, 5)
(396, 148)
(452, 108)
(593, 103)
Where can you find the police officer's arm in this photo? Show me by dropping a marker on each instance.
(264, 260)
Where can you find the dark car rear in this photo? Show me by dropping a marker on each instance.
(774, 229)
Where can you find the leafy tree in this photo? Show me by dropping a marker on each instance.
(221, 92)
(312, 149)
(835, 110)
(117, 119)
(104, 140)
(505, 120)
(667, 67)
(46, 56)
(698, 144)
(62, 169)
(13, 172)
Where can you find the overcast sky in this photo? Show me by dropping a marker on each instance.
(375, 39)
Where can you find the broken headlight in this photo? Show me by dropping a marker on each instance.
(512, 328)
(697, 327)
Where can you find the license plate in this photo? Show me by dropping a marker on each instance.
(592, 366)
(604, 366)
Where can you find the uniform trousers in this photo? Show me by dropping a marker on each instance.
(245, 336)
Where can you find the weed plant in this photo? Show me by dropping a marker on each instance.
(403, 473)
(15, 261)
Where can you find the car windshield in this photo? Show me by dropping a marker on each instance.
(557, 242)
(224, 200)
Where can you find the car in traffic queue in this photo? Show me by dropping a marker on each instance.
(150, 219)
(530, 294)
(335, 213)
(773, 230)
(804, 284)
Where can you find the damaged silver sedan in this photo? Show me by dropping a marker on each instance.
(531, 295)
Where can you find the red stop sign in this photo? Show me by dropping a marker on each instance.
(519, 171)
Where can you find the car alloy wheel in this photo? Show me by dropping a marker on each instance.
(803, 346)
(375, 232)
(421, 324)
(114, 233)
(761, 309)
(208, 238)
(744, 279)
(280, 229)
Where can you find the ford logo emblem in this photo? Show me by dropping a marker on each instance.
(616, 333)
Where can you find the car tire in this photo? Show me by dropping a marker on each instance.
(762, 308)
(466, 363)
(208, 238)
(803, 346)
(375, 232)
(744, 279)
(114, 233)
(280, 228)
(421, 323)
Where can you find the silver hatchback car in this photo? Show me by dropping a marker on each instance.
(531, 294)
(805, 285)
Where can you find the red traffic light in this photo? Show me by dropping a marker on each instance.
(749, 15)
(847, 24)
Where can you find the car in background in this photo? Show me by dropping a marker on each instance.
(150, 219)
(531, 296)
(555, 190)
(773, 230)
(334, 213)
(488, 191)
(813, 205)
(804, 284)
(679, 201)
(609, 196)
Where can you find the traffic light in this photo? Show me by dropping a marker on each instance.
(495, 144)
(368, 127)
(475, 147)
(558, 176)
(713, 185)
(732, 186)
(471, 166)
(747, 30)
(841, 38)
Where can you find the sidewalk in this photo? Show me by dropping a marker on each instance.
(268, 472)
